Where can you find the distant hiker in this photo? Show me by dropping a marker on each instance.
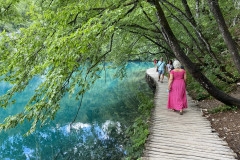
(155, 62)
(161, 68)
(169, 67)
(177, 99)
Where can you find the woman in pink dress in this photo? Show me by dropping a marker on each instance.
(177, 99)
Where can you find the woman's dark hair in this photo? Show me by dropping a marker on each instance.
(170, 62)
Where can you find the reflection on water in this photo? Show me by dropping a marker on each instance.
(98, 133)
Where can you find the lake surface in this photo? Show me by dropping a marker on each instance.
(108, 108)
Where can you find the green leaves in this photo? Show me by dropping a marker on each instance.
(68, 44)
(138, 132)
(65, 45)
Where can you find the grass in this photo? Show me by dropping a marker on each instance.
(223, 108)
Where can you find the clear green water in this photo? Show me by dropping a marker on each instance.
(98, 133)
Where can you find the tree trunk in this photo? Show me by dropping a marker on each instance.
(204, 43)
(188, 12)
(193, 70)
(231, 44)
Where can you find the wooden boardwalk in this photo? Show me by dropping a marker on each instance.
(175, 137)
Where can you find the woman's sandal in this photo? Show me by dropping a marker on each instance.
(181, 112)
(173, 110)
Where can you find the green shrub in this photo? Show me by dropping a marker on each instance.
(138, 132)
(223, 108)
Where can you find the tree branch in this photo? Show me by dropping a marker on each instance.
(94, 65)
(150, 20)
(7, 8)
(188, 32)
(140, 27)
(75, 19)
(147, 37)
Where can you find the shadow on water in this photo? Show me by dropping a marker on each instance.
(108, 108)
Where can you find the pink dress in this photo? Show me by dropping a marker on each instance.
(177, 98)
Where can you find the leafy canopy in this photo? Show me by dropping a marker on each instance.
(67, 44)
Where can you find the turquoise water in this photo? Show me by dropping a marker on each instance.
(108, 108)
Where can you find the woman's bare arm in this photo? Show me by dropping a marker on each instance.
(170, 81)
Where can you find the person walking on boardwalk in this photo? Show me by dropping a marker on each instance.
(177, 98)
(155, 62)
(161, 68)
(169, 67)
